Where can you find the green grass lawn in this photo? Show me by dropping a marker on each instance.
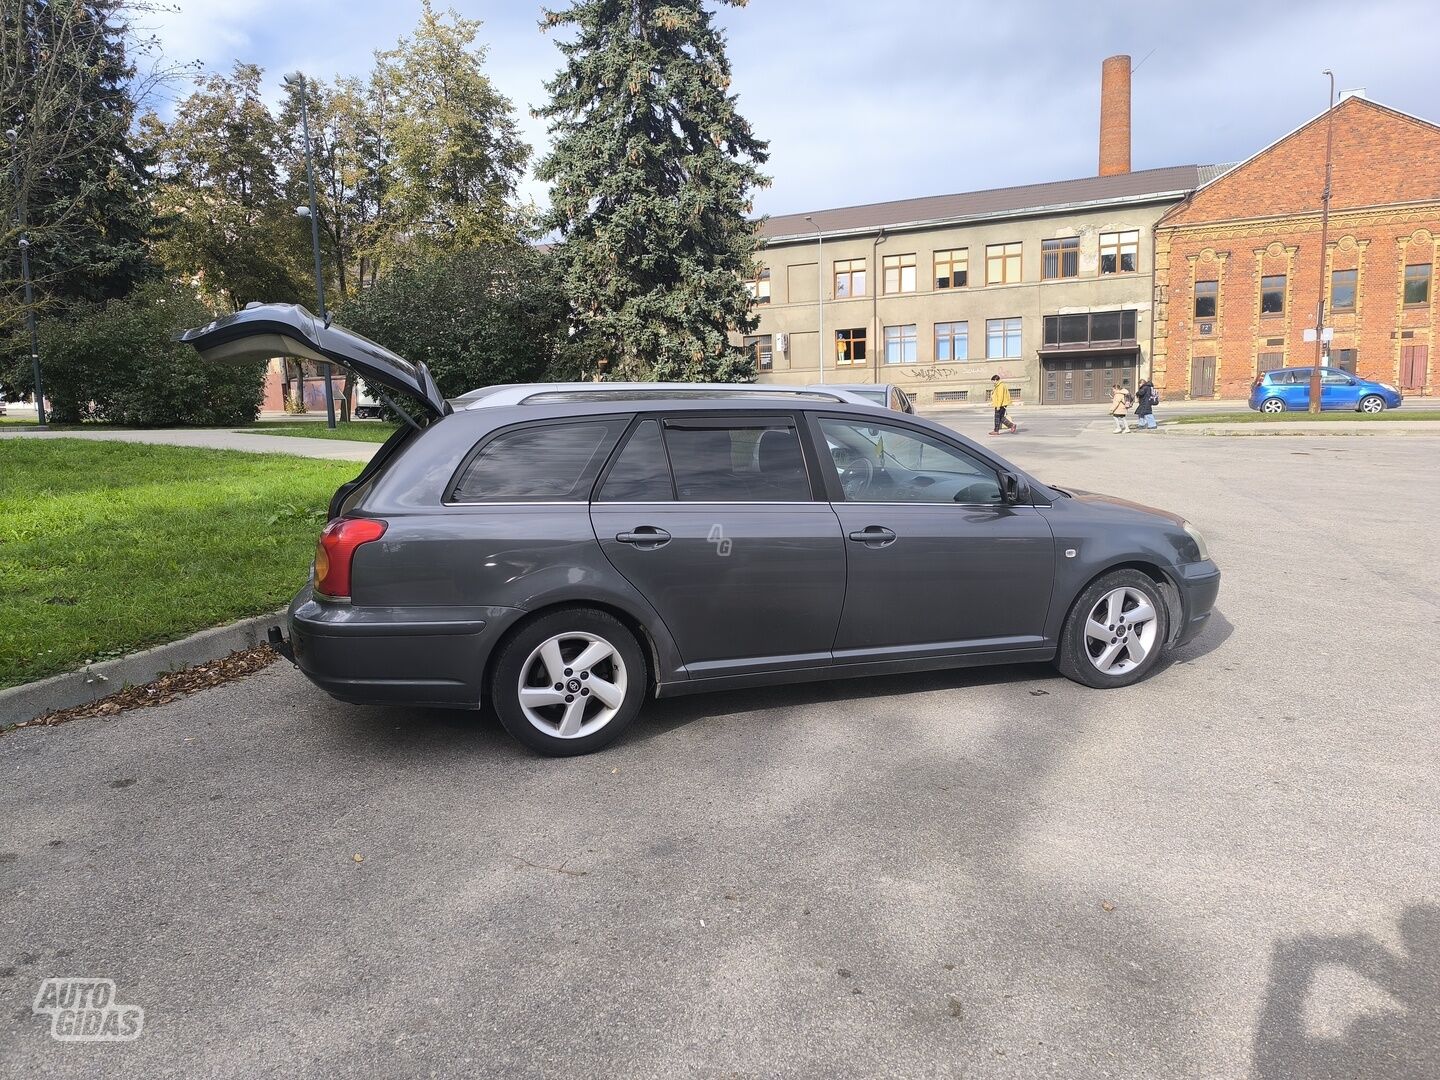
(376, 431)
(109, 547)
(1299, 417)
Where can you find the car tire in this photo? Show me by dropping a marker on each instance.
(1120, 648)
(552, 704)
(1372, 403)
(1272, 405)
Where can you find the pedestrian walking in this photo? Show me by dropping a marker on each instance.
(1000, 399)
(1146, 398)
(1119, 406)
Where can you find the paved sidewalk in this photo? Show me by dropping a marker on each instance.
(217, 439)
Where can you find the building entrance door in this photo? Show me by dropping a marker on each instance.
(1085, 381)
(1202, 376)
(1414, 359)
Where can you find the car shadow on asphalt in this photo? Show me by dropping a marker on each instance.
(1399, 1041)
(667, 714)
(481, 732)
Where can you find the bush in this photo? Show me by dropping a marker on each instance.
(493, 314)
(116, 362)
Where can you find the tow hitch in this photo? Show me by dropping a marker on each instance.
(277, 641)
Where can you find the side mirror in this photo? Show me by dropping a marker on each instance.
(1013, 489)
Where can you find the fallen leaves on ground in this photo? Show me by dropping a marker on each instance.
(165, 689)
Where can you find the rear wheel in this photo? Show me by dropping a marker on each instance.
(1115, 632)
(1272, 405)
(569, 682)
(1372, 403)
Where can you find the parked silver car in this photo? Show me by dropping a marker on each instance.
(565, 555)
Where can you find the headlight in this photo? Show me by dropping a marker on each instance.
(1392, 389)
(1199, 539)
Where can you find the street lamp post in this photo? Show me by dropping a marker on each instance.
(1320, 351)
(820, 295)
(298, 82)
(34, 335)
(13, 138)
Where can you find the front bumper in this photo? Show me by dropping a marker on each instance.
(1199, 585)
(396, 655)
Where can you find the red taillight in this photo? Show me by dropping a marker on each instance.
(336, 550)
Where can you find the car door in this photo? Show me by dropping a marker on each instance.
(1293, 387)
(937, 563)
(714, 518)
(1338, 390)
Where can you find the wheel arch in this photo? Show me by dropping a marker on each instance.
(638, 629)
(1169, 591)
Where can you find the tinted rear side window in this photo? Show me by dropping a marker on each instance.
(641, 472)
(743, 463)
(543, 463)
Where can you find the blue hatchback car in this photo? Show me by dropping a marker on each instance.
(1289, 388)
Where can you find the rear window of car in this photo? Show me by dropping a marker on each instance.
(538, 463)
(744, 461)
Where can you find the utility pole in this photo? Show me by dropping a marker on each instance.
(820, 295)
(21, 220)
(297, 81)
(1320, 351)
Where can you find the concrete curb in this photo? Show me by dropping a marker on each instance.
(25, 702)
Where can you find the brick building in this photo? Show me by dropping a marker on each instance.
(1238, 264)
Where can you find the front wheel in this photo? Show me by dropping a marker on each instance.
(1372, 403)
(569, 682)
(1115, 631)
(1272, 405)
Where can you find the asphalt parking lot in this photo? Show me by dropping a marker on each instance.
(1230, 870)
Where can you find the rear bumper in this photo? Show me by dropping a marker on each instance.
(396, 655)
(1199, 586)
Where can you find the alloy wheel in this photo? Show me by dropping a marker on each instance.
(572, 685)
(1120, 631)
(1372, 404)
(1272, 405)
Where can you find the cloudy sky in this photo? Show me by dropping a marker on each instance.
(863, 101)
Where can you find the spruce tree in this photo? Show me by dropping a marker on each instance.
(651, 174)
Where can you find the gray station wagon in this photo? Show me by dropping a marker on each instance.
(567, 554)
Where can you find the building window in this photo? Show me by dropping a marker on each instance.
(850, 347)
(952, 268)
(1342, 290)
(1344, 359)
(1002, 339)
(1272, 295)
(849, 278)
(899, 273)
(900, 344)
(952, 341)
(1060, 258)
(1206, 293)
(762, 349)
(759, 286)
(1417, 285)
(1120, 252)
(1002, 264)
(1090, 328)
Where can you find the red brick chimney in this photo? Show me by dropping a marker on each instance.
(1115, 116)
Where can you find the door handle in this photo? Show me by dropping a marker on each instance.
(645, 537)
(874, 536)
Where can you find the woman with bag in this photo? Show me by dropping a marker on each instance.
(1119, 406)
(1145, 401)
